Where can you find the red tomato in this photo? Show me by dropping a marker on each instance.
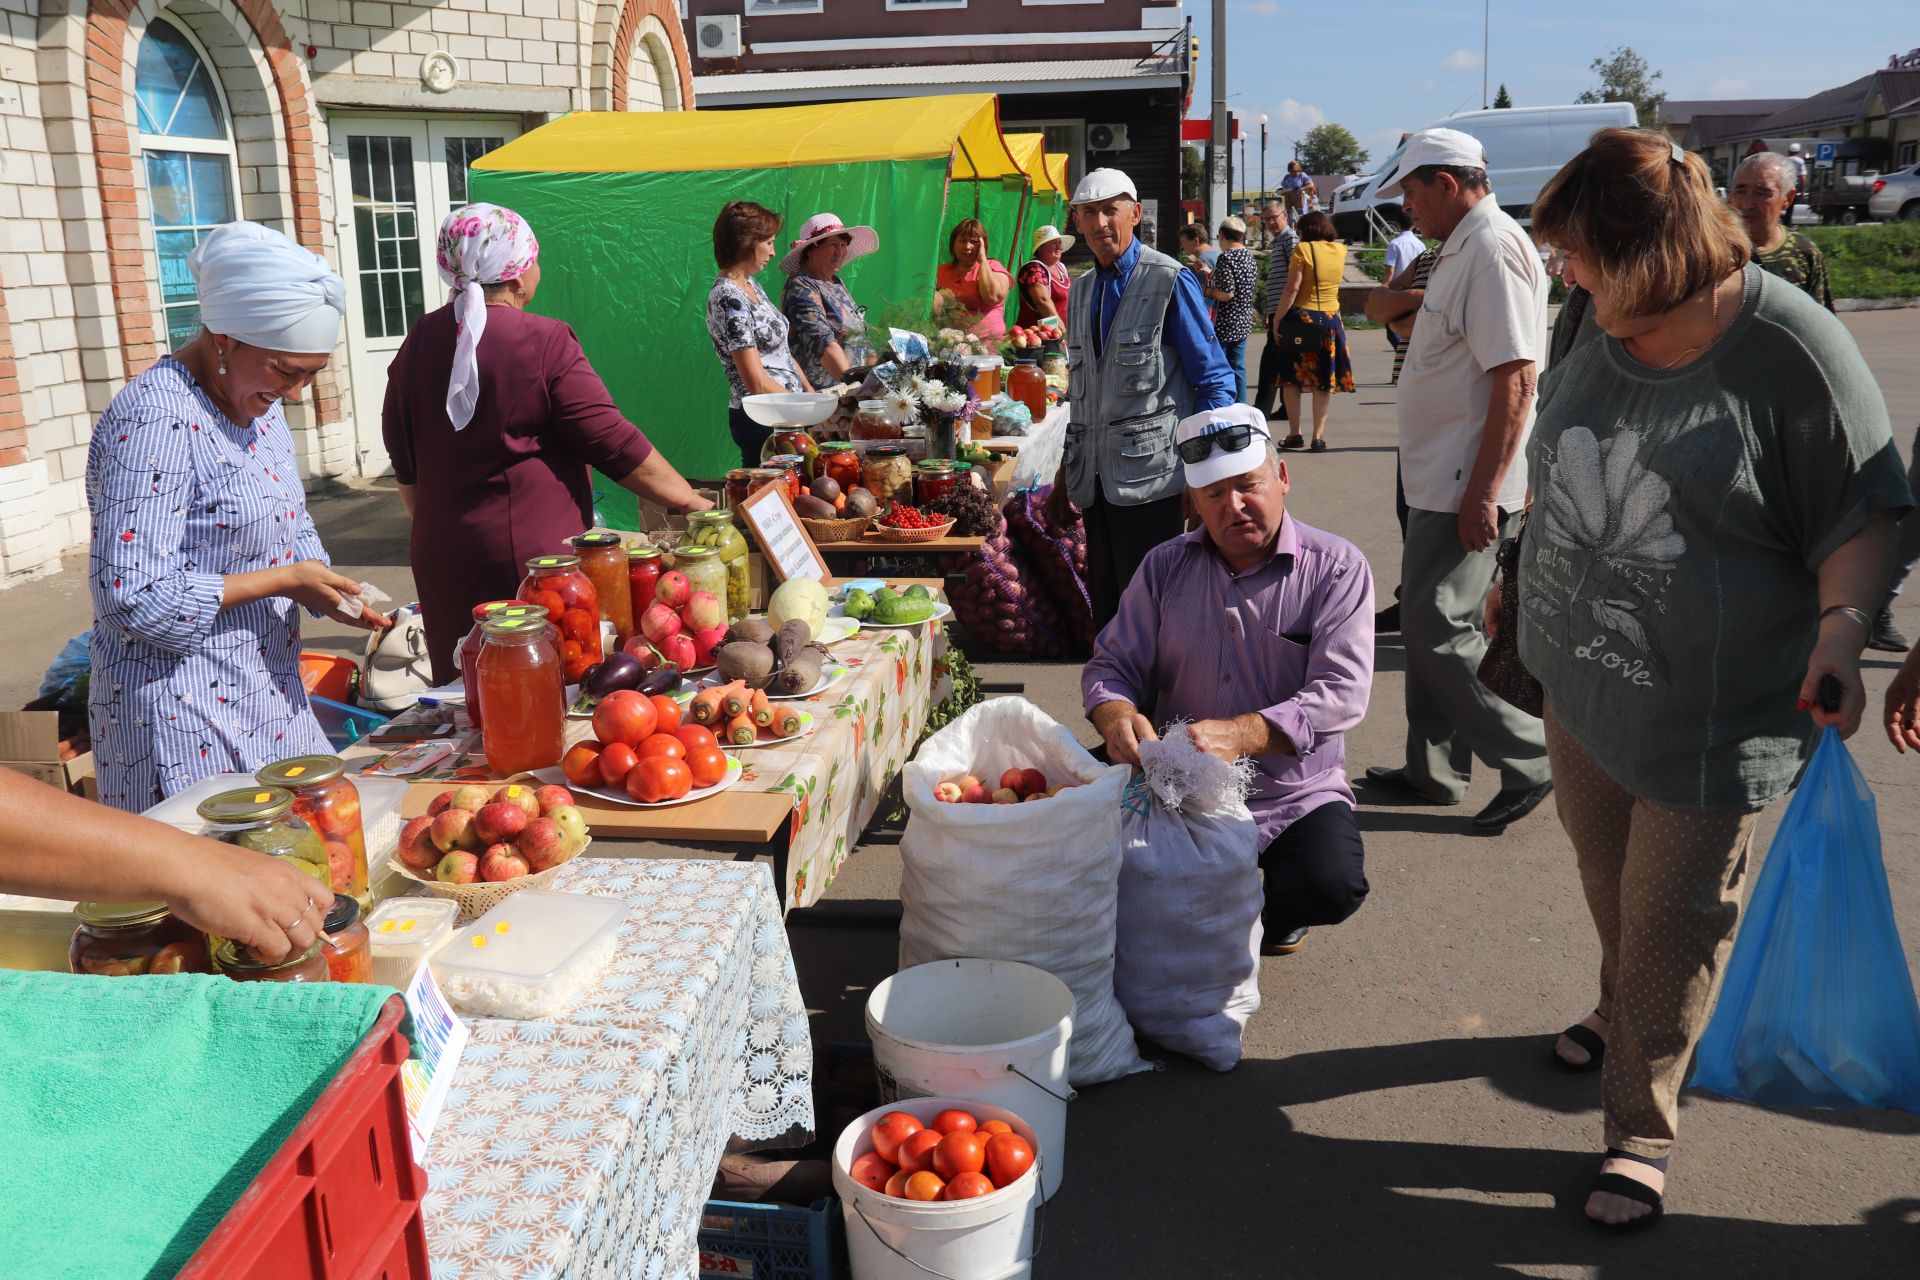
(581, 764)
(890, 1130)
(616, 762)
(897, 1185)
(663, 744)
(708, 765)
(916, 1153)
(1008, 1156)
(658, 778)
(872, 1172)
(924, 1186)
(551, 602)
(667, 711)
(626, 717)
(959, 1152)
(990, 1127)
(696, 736)
(955, 1121)
(967, 1186)
(577, 624)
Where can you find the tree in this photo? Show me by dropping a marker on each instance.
(1503, 99)
(1329, 148)
(1193, 174)
(1625, 77)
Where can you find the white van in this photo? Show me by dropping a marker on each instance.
(1525, 147)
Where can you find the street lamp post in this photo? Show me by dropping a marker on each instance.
(1263, 158)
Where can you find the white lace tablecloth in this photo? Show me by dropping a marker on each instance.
(585, 1145)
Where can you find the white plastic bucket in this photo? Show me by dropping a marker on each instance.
(986, 1030)
(992, 1237)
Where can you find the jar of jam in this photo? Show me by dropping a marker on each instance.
(128, 939)
(556, 584)
(262, 819)
(525, 695)
(703, 567)
(888, 474)
(840, 462)
(986, 377)
(329, 802)
(1028, 385)
(739, 486)
(871, 423)
(348, 946)
(470, 650)
(933, 479)
(794, 468)
(644, 567)
(716, 529)
(790, 444)
(242, 965)
(603, 558)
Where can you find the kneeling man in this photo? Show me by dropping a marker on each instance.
(1259, 630)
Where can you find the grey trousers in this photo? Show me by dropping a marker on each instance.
(1451, 716)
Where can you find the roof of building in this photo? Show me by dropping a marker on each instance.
(792, 86)
(1844, 104)
(1683, 112)
(1836, 106)
(1706, 130)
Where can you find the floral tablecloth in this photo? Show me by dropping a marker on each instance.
(586, 1145)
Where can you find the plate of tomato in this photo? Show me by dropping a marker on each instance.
(661, 780)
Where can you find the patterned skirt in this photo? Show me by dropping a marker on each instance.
(1313, 351)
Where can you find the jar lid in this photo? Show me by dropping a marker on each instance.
(511, 626)
(886, 451)
(785, 460)
(232, 957)
(688, 551)
(712, 515)
(596, 540)
(254, 804)
(480, 611)
(1026, 357)
(643, 553)
(935, 465)
(547, 564)
(302, 771)
(768, 473)
(345, 913)
(120, 914)
(838, 446)
(873, 406)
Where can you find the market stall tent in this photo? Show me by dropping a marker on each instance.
(623, 204)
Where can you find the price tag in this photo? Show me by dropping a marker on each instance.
(776, 527)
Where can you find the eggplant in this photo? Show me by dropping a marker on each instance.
(664, 678)
(620, 671)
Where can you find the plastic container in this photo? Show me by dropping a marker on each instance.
(772, 1241)
(992, 1030)
(344, 725)
(533, 956)
(404, 931)
(341, 1198)
(989, 1237)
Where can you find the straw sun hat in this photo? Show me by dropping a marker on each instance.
(825, 226)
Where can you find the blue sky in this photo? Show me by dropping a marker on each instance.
(1383, 68)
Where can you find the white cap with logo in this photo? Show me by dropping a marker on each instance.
(1433, 146)
(1104, 184)
(1221, 462)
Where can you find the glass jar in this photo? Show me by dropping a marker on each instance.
(329, 802)
(871, 423)
(888, 474)
(470, 650)
(716, 529)
(242, 965)
(644, 567)
(1053, 362)
(348, 946)
(525, 695)
(934, 479)
(790, 443)
(1029, 386)
(556, 584)
(703, 567)
(840, 462)
(262, 819)
(794, 468)
(603, 558)
(128, 939)
(739, 486)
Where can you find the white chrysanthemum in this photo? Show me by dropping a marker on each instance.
(902, 407)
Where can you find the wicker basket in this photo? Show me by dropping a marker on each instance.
(887, 534)
(482, 896)
(835, 530)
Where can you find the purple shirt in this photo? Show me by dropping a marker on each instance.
(1291, 638)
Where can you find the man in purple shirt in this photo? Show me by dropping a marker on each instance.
(1259, 630)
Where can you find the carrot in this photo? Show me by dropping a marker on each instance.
(762, 709)
(705, 707)
(786, 720)
(734, 699)
(742, 732)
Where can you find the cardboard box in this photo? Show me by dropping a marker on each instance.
(30, 744)
(35, 933)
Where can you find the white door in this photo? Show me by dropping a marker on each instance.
(395, 179)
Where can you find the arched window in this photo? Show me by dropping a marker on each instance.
(187, 140)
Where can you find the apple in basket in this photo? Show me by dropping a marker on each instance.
(500, 821)
(573, 825)
(453, 831)
(502, 862)
(417, 851)
(545, 844)
(458, 867)
(472, 798)
(523, 798)
(551, 797)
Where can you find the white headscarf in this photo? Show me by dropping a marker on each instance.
(479, 244)
(262, 289)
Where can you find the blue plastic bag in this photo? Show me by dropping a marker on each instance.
(1818, 1008)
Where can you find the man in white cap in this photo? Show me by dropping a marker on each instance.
(1465, 407)
(1258, 630)
(1799, 163)
(1141, 355)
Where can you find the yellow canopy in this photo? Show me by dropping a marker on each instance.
(1030, 150)
(963, 126)
(1057, 174)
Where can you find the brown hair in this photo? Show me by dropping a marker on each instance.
(741, 225)
(1195, 231)
(960, 228)
(1645, 216)
(1316, 226)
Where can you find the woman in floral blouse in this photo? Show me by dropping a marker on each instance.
(827, 330)
(1229, 285)
(749, 333)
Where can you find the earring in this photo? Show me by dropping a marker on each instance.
(223, 367)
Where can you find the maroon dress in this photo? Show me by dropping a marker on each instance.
(514, 484)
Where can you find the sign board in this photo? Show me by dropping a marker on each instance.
(1823, 153)
(776, 526)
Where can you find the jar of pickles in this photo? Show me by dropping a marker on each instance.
(526, 697)
(128, 939)
(785, 443)
(871, 422)
(794, 469)
(603, 558)
(840, 462)
(242, 965)
(348, 946)
(556, 584)
(329, 802)
(716, 529)
(934, 478)
(888, 474)
(262, 819)
(703, 567)
(644, 567)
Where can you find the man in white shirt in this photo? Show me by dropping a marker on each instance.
(1401, 251)
(1465, 409)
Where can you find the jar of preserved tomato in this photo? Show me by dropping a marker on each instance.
(329, 802)
(888, 474)
(871, 422)
(715, 528)
(704, 569)
(794, 470)
(242, 965)
(935, 478)
(470, 650)
(262, 819)
(603, 558)
(348, 946)
(128, 939)
(525, 695)
(644, 567)
(840, 462)
(739, 486)
(556, 584)
(1028, 385)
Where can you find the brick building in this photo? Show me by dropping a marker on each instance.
(129, 127)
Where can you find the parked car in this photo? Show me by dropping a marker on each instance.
(1896, 195)
(1842, 183)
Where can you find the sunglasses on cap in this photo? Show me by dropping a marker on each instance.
(1231, 437)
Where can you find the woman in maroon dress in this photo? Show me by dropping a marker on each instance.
(493, 417)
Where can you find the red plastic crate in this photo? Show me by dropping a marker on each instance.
(340, 1200)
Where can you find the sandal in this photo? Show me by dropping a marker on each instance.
(1587, 1038)
(1619, 1184)
(1294, 441)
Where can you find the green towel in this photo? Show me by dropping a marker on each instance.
(136, 1110)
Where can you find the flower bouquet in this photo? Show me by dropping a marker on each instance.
(929, 385)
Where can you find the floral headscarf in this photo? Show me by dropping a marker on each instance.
(479, 244)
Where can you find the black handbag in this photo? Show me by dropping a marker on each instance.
(1501, 669)
(1297, 333)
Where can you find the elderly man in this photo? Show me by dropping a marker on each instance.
(1465, 409)
(1763, 189)
(1258, 630)
(1141, 355)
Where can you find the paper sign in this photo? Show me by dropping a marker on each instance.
(776, 526)
(438, 1038)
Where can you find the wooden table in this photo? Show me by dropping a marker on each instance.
(872, 544)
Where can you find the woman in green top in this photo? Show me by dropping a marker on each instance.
(1715, 487)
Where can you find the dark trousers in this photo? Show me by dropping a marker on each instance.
(1118, 539)
(748, 434)
(1266, 389)
(1315, 872)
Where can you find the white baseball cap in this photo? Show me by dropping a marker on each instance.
(1223, 463)
(1433, 146)
(1104, 184)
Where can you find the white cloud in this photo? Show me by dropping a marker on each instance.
(1461, 60)
(1292, 119)
(1262, 8)
(1729, 86)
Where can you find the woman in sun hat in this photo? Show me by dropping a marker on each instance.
(826, 329)
(1044, 280)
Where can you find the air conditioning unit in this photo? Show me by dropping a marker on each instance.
(1107, 137)
(717, 36)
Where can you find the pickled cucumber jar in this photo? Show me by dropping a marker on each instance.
(262, 819)
(242, 965)
(129, 939)
(326, 798)
(716, 529)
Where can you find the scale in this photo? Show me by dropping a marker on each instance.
(790, 411)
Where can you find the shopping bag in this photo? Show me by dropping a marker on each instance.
(1818, 1009)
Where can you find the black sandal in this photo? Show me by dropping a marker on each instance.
(1619, 1184)
(1294, 441)
(1587, 1038)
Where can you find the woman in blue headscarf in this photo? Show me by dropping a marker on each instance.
(202, 545)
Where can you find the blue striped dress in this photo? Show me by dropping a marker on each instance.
(181, 496)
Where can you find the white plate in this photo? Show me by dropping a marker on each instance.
(832, 672)
(838, 627)
(555, 774)
(806, 727)
(941, 612)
